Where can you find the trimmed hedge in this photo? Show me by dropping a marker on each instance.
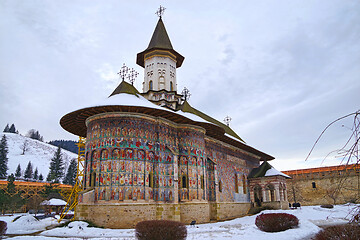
(347, 232)
(160, 230)
(3, 228)
(276, 222)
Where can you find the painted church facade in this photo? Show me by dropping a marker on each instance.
(151, 155)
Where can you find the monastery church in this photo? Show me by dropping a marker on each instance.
(151, 155)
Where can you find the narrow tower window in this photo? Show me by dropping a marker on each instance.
(313, 185)
(171, 86)
(151, 85)
(236, 184)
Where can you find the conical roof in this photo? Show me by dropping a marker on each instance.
(125, 87)
(160, 40)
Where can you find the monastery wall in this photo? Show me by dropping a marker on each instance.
(109, 215)
(327, 187)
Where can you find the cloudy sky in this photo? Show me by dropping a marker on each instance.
(282, 70)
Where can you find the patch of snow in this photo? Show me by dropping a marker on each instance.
(28, 224)
(125, 99)
(273, 172)
(54, 202)
(39, 153)
(240, 228)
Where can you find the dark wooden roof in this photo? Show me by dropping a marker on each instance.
(74, 122)
(160, 41)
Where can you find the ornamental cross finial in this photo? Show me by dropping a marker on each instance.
(123, 71)
(133, 74)
(160, 11)
(227, 120)
(186, 94)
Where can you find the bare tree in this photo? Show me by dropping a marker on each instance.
(25, 147)
(349, 154)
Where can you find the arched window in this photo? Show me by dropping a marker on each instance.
(92, 179)
(244, 185)
(270, 191)
(236, 184)
(184, 183)
(171, 86)
(151, 85)
(220, 186)
(202, 181)
(151, 179)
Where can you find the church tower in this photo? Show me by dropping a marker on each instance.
(160, 61)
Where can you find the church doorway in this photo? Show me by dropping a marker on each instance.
(258, 195)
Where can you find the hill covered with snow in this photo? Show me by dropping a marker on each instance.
(39, 153)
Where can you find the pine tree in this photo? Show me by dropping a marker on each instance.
(28, 171)
(56, 167)
(18, 171)
(7, 128)
(12, 129)
(15, 199)
(36, 174)
(71, 173)
(41, 177)
(3, 157)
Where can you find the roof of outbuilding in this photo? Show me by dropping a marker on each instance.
(265, 170)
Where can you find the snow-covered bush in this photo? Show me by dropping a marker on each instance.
(160, 229)
(276, 222)
(348, 232)
(3, 228)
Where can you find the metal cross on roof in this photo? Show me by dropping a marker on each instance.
(133, 74)
(123, 71)
(227, 120)
(160, 11)
(186, 94)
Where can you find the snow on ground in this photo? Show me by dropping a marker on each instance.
(240, 228)
(27, 224)
(39, 153)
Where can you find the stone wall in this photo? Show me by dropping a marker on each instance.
(230, 210)
(128, 215)
(200, 212)
(324, 188)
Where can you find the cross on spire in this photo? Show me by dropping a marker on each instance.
(133, 74)
(160, 11)
(123, 72)
(186, 94)
(227, 120)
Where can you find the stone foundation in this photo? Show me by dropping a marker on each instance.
(276, 205)
(128, 215)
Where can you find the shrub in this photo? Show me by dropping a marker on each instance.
(327, 206)
(3, 228)
(160, 230)
(348, 232)
(276, 222)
